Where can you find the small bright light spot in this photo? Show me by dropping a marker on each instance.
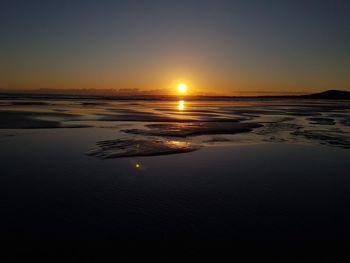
(181, 88)
(181, 105)
(137, 165)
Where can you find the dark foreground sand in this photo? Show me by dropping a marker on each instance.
(50, 190)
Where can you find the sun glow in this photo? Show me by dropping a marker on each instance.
(181, 88)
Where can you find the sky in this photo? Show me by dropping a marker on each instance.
(219, 47)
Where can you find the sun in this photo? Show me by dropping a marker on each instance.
(181, 88)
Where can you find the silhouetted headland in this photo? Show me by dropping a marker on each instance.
(330, 95)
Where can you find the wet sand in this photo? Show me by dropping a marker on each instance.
(322, 122)
(256, 170)
(269, 191)
(140, 147)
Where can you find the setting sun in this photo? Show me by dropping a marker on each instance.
(166, 120)
(181, 88)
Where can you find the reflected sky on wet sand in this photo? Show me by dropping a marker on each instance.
(291, 121)
(194, 170)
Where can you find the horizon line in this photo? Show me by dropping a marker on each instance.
(154, 92)
(153, 96)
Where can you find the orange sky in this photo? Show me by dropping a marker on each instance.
(217, 47)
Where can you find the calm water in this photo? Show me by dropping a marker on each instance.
(288, 178)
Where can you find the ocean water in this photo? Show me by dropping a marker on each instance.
(80, 169)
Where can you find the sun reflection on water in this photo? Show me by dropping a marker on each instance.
(181, 105)
(178, 144)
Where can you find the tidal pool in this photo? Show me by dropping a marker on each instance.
(208, 170)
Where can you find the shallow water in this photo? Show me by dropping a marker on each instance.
(287, 179)
(302, 121)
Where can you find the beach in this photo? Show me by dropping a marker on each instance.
(155, 170)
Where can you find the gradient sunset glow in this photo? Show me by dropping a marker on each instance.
(220, 47)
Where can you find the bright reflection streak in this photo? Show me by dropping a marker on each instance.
(178, 144)
(181, 105)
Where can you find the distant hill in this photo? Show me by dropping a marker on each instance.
(330, 95)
